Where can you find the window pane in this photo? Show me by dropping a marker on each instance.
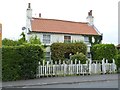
(67, 39)
(86, 39)
(46, 39)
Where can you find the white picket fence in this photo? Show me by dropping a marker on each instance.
(63, 69)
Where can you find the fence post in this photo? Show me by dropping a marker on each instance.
(71, 67)
(64, 67)
(96, 71)
(107, 66)
(90, 62)
(103, 66)
(39, 69)
(51, 68)
(79, 68)
(114, 66)
(75, 67)
(47, 67)
(55, 68)
(60, 67)
(99, 68)
(43, 67)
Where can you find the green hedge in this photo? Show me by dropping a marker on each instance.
(20, 62)
(79, 56)
(58, 50)
(107, 51)
(117, 60)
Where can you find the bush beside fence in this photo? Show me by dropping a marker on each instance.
(58, 50)
(107, 51)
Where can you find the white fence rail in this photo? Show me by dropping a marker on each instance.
(63, 69)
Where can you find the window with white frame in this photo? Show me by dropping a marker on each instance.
(86, 39)
(46, 38)
(67, 39)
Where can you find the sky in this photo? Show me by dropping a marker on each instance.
(105, 12)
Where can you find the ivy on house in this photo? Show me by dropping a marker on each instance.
(97, 38)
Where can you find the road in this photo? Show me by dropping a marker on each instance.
(101, 84)
(88, 81)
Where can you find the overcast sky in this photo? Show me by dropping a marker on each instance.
(105, 12)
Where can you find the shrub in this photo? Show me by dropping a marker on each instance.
(58, 50)
(79, 56)
(20, 62)
(107, 51)
(9, 42)
(117, 60)
(34, 40)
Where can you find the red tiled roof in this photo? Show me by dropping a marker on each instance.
(61, 26)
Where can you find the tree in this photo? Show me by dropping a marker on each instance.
(22, 40)
(34, 40)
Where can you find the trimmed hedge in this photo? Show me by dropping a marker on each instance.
(117, 61)
(107, 51)
(9, 42)
(58, 50)
(20, 62)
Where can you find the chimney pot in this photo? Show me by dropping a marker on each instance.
(39, 14)
(29, 5)
(90, 13)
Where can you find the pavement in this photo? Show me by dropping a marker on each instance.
(60, 80)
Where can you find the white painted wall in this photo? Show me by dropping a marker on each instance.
(57, 37)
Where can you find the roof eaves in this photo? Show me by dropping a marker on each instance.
(62, 33)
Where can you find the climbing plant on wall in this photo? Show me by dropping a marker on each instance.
(97, 39)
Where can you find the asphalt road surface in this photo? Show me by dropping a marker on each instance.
(100, 84)
(88, 81)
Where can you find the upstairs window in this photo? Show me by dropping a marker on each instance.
(67, 39)
(86, 39)
(46, 39)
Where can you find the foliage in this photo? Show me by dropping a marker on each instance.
(22, 40)
(34, 40)
(97, 38)
(9, 42)
(107, 51)
(79, 56)
(58, 50)
(117, 60)
(118, 51)
(20, 62)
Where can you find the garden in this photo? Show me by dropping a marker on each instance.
(20, 59)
